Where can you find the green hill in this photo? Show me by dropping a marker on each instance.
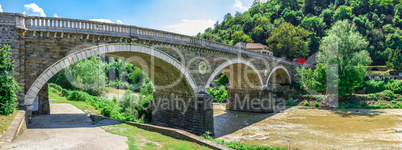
(379, 21)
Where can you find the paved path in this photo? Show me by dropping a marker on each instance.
(66, 128)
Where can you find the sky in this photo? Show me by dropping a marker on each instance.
(180, 16)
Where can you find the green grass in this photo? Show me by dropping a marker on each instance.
(143, 140)
(238, 145)
(79, 104)
(5, 121)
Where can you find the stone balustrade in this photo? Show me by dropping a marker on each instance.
(65, 25)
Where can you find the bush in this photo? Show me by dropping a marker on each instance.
(306, 103)
(220, 94)
(78, 96)
(65, 93)
(9, 87)
(316, 104)
(373, 86)
(388, 94)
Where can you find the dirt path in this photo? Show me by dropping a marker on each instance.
(66, 128)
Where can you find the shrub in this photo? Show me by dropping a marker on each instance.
(316, 104)
(388, 94)
(52, 90)
(78, 96)
(9, 87)
(306, 103)
(65, 93)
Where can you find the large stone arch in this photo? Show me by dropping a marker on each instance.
(279, 75)
(256, 82)
(116, 50)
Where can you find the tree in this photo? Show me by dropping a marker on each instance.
(395, 60)
(345, 49)
(342, 12)
(289, 41)
(240, 36)
(9, 87)
(314, 24)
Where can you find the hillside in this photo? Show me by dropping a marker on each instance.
(379, 21)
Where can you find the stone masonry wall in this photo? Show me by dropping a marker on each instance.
(191, 114)
(250, 100)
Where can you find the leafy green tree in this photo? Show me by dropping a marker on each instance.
(9, 87)
(395, 60)
(289, 41)
(327, 15)
(240, 36)
(342, 12)
(345, 48)
(314, 24)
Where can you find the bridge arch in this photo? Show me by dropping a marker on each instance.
(187, 85)
(256, 82)
(279, 75)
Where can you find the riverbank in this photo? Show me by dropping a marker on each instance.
(311, 128)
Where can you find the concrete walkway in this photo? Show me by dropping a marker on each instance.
(66, 128)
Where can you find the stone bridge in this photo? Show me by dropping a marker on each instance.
(181, 67)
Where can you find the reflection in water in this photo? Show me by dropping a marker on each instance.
(305, 128)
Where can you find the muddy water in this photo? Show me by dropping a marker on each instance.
(306, 128)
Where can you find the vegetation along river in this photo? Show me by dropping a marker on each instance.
(309, 128)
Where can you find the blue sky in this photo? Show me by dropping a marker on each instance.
(181, 16)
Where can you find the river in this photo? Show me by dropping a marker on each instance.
(309, 128)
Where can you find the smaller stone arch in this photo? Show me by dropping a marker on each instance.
(279, 68)
(231, 62)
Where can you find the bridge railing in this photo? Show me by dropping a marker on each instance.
(36, 23)
(63, 24)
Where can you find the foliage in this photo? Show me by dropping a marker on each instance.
(240, 36)
(9, 87)
(289, 41)
(316, 104)
(222, 80)
(376, 20)
(128, 109)
(93, 74)
(238, 145)
(342, 12)
(343, 49)
(395, 60)
(219, 94)
(306, 103)
(372, 86)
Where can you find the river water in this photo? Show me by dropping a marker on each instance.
(308, 128)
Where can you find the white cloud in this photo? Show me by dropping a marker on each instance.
(190, 27)
(55, 15)
(1, 10)
(33, 10)
(239, 6)
(119, 22)
(102, 20)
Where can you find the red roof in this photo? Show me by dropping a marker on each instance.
(256, 46)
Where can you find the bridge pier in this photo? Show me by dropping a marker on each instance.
(44, 106)
(190, 113)
(250, 100)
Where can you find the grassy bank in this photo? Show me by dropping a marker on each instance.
(143, 139)
(240, 146)
(5, 121)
